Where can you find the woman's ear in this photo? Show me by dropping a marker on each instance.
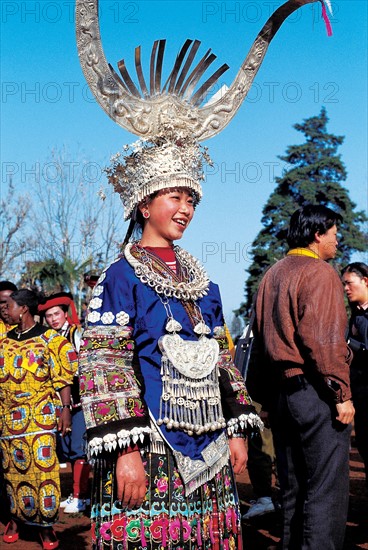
(143, 209)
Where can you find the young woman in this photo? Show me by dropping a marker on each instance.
(165, 408)
(36, 363)
(355, 281)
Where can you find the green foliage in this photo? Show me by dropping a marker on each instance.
(315, 176)
(51, 276)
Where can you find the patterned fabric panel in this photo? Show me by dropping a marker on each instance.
(61, 357)
(30, 372)
(31, 472)
(110, 388)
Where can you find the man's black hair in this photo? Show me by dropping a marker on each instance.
(309, 220)
(7, 285)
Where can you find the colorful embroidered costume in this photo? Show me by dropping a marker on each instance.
(33, 367)
(155, 370)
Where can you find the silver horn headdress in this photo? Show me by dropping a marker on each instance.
(175, 107)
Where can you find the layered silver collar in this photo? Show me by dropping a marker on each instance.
(195, 287)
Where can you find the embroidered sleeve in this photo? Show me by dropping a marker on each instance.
(110, 379)
(236, 403)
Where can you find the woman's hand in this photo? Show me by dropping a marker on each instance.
(131, 479)
(238, 454)
(65, 421)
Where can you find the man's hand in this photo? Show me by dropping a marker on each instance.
(345, 412)
(131, 479)
(238, 454)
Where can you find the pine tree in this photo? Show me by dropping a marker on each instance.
(315, 177)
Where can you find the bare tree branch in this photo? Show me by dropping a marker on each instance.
(74, 226)
(14, 215)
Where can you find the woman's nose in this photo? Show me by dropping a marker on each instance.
(184, 207)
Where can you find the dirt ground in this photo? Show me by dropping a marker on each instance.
(259, 533)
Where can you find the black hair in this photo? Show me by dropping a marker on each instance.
(7, 285)
(309, 220)
(25, 297)
(359, 268)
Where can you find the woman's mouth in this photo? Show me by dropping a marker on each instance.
(180, 222)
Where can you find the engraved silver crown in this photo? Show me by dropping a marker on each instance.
(170, 116)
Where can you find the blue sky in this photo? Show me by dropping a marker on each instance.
(46, 102)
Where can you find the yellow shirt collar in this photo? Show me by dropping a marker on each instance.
(303, 252)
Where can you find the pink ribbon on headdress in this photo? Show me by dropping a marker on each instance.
(325, 17)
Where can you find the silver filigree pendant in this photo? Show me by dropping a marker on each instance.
(201, 328)
(190, 399)
(173, 326)
(192, 359)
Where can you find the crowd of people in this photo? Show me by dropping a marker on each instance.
(166, 415)
(146, 400)
(309, 370)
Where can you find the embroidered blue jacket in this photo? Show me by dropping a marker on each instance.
(120, 364)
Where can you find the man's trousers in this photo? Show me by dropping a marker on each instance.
(312, 449)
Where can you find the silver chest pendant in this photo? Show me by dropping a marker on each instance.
(190, 399)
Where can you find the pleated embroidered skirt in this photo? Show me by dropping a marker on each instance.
(208, 519)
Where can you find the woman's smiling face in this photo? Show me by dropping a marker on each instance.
(168, 216)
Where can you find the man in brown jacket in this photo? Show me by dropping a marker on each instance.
(301, 323)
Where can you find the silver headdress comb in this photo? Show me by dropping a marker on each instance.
(175, 107)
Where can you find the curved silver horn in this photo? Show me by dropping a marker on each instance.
(176, 102)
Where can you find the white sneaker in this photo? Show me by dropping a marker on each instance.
(263, 505)
(67, 501)
(75, 505)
